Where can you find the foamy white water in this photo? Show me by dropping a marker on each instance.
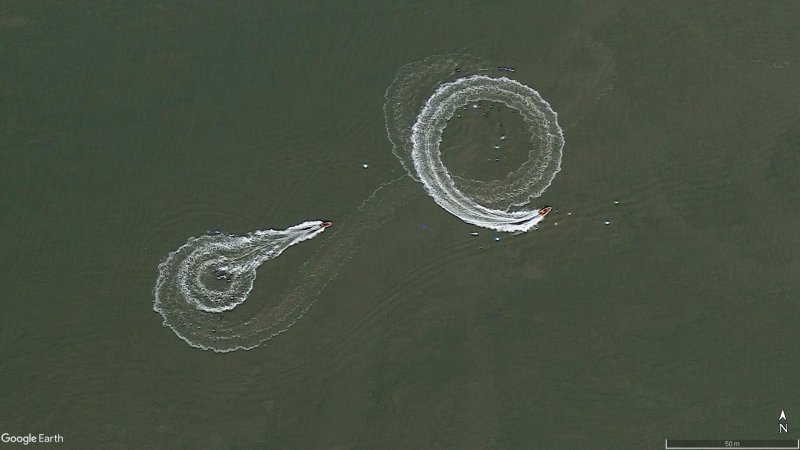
(213, 274)
(417, 142)
(202, 285)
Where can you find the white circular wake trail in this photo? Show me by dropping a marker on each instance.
(212, 274)
(203, 285)
(420, 141)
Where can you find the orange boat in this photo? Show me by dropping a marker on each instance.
(545, 211)
(326, 224)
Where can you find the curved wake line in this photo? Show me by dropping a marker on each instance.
(203, 311)
(192, 302)
(202, 283)
(421, 141)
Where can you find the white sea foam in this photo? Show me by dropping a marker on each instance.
(205, 312)
(191, 300)
(416, 134)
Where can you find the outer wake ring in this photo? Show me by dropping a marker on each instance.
(485, 204)
(193, 308)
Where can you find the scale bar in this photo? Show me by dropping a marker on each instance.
(765, 444)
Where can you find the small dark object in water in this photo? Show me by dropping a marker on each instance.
(506, 69)
(222, 275)
(214, 232)
(458, 69)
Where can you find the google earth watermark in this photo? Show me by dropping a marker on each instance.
(30, 438)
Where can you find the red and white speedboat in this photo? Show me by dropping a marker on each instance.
(545, 211)
(327, 224)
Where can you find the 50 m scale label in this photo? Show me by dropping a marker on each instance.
(777, 444)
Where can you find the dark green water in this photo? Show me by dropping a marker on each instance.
(125, 129)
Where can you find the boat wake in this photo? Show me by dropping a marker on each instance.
(202, 285)
(213, 274)
(416, 136)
